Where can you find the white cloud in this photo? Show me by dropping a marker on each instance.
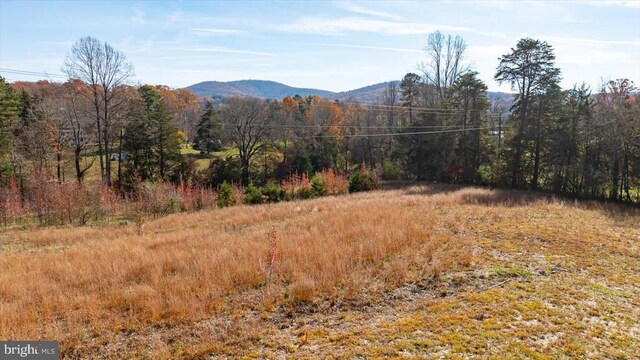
(373, 48)
(593, 58)
(138, 17)
(581, 41)
(634, 4)
(483, 52)
(366, 11)
(59, 43)
(230, 51)
(174, 16)
(337, 26)
(218, 31)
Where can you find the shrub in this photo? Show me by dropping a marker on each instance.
(43, 197)
(161, 198)
(304, 193)
(185, 169)
(273, 192)
(238, 193)
(225, 195)
(298, 187)
(206, 198)
(188, 195)
(107, 202)
(391, 171)
(253, 195)
(318, 186)
(224, 170)
(363, 180)
(11, 207)
(336, 184)
(302, 291)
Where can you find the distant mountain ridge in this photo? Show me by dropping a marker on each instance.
(266, 89)
(263, 89)
(366, 95)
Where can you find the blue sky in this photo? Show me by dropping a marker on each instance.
(332, 45)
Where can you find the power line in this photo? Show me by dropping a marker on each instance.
(435, 112)
(368, 127)
(31, 73)
(417, 108)
(393, 134)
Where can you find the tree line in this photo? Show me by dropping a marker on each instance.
(436, 124)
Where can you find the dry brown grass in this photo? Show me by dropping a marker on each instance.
(104, 279)
(89, 286)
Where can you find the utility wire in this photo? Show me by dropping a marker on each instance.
(400, 107)
(392, 134)
(31, 73)
(369, 127)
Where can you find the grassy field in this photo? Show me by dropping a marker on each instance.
(420, 271)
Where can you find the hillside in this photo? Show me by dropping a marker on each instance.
(420, 271)
(265, 89)
(273, 90)
(366, 95)
(256, 88)
(500, 101)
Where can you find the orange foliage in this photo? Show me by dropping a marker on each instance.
(328, 115)
(289, 106)
(336, 184)
(296, 183)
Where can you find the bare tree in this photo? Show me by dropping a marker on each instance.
(444, 62)
(75, 114)
(390, 100)
(36, 132)
(288, 109)
(246, 124)
(105, 70)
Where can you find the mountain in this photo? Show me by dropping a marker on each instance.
(366, 95)
(500, 101)
(265, 89)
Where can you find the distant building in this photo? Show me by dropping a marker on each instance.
(118, 157)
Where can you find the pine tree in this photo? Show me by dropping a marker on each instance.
(208, 130)
(530, 69)
(410, 92)
(468, 96)
(151, 141)
(9, 106)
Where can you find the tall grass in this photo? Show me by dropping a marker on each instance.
(185, 267)
(87, 286)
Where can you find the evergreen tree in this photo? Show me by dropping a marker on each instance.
(151, 141)
(569, 140)
(409, 94)
(209, 130)
(468, 97)
(137, 144)
(530, 69)
(9, 107)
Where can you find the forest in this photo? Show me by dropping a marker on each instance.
(96, 144)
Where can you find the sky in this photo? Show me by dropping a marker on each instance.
(330, 45)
